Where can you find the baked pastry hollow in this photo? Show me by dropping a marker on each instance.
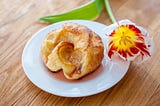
(74, 49)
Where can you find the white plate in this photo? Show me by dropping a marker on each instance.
(110, 72)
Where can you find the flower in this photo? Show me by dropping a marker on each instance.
(129, 42)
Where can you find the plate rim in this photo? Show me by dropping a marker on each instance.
(49, 91)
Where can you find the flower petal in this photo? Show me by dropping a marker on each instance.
(129, 41)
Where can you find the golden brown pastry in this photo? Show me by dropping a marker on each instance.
(74, 49)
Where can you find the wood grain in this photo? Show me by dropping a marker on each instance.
(18, 22)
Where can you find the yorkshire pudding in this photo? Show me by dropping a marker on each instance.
(74, 49)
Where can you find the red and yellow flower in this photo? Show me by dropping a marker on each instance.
(127, 41)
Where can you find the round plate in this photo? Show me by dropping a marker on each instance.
(110, 72)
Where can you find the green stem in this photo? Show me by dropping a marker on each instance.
(109, 10)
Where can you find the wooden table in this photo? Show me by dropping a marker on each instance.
(18, 22)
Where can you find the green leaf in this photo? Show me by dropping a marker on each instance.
(88, 11)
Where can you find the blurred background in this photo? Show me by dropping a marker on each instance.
(18, 23)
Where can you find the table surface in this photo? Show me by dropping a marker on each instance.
(18, 23)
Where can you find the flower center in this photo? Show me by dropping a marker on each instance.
(124, 38)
